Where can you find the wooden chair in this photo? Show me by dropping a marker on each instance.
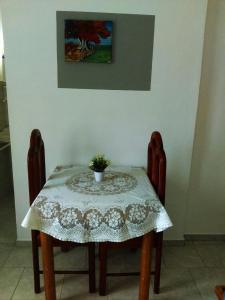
(156, 171)
(36, 179)
(220, 292)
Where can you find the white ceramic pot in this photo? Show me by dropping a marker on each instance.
(99, 176)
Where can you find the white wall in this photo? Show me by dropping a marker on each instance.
(77, 123)
(206, 204)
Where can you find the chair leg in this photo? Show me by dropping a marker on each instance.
(91, 267)
(36, 268)
(158, 259)
(103, 268)
(219, 291)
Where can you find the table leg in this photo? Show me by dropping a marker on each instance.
(145, 270)
(48, 266)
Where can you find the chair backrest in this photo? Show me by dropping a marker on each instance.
(36, 164)
(156, 167)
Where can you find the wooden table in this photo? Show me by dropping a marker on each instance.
(72, 206)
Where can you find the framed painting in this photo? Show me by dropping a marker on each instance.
(88, 41)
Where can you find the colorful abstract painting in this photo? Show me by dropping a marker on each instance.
(88, 41)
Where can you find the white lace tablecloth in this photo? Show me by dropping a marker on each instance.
(73, 207)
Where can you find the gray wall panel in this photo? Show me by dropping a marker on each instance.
(130, 69)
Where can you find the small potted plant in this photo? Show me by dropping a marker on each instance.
(98, 164)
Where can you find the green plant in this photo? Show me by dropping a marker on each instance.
(98, 163)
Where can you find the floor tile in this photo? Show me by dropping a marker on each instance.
(20, 256)
(126, 260)
(25, 288)
(176, 284)
(76, 287)
(123, 260)
(9, 278)
(212, 255)
(181, 256)
(123, 288)
(74, 259)
(206, 279)
(5, 251)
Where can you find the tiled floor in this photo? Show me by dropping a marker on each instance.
(189, 272)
